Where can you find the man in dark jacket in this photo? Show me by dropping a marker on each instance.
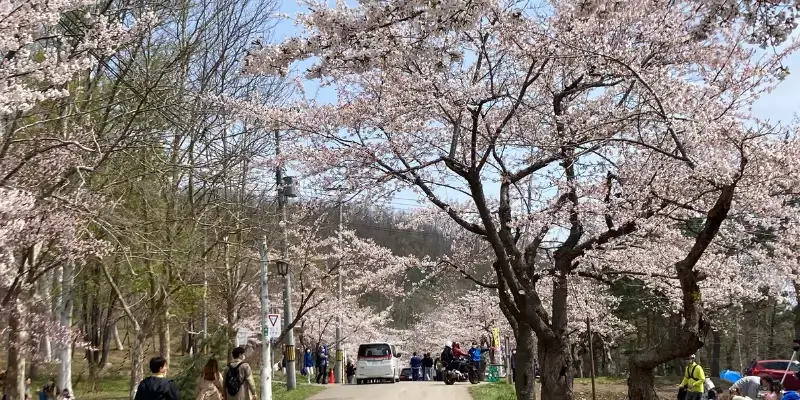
(157, 386)
(427, 367)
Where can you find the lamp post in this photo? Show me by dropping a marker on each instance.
(337, 370)
(285, 186)
(266, 352)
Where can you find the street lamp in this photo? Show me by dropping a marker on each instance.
(282, 267)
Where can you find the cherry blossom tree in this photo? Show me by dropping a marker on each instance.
(44, 158)
(629, 123)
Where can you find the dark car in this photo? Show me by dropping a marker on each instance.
(405, 374)
(776, 369)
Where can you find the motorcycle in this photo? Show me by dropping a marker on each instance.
(460, 370)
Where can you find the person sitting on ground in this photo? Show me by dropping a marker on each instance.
(157, 386)
(774, 388)
(693, 380)
(748, 386)
(791, 396)
(209, 384)
(66, 395)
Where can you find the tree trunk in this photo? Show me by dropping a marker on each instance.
(641, 383)
(715, 350)
(65, 319)
(117, 340)
(164, 334)
(17, 339)
(797, 310)
(137, 361)
(557, 373)
(57, 304)
(525, 379)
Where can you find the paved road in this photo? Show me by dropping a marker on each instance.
(397, 391)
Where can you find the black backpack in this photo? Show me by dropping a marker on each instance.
(233, 381)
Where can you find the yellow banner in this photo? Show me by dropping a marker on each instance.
(495, 337)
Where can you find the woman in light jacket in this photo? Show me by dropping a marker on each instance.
(209, 383)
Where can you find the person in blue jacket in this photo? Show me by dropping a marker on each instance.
(791, 396)
(308, 365)
(416, 367)
(475, 354)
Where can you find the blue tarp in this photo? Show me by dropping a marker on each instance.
(729, 375)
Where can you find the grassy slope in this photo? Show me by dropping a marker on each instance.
(114, 382)
(607, 388)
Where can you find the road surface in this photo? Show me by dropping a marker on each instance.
(397, 391)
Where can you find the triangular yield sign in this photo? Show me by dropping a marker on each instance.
(273, 319)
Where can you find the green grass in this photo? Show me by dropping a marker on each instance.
(301, 393)
(116, 388)
(493, 391)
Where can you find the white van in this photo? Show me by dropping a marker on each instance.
(377, 362)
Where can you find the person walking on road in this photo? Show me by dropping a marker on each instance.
(350, 370)
(308, 365)
(157, 386)
(239, 383)
(416, 367)
(322, 365)
(427, 367)
(693, 380)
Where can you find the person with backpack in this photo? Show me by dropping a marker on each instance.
(157, 386)
(693, 381)
(239, 383)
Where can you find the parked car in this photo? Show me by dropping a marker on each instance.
(776, 369)
(405, 374)
(377, 362)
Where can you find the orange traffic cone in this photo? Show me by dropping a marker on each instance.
(330, 377)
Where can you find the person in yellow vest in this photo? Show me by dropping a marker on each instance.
(693, 379)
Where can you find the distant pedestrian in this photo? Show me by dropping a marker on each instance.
(239, 383)
(350, 370)
(308, 365)
(322, 365)
(157, 386)
(416, 367)
(514, 365)
(427, 367)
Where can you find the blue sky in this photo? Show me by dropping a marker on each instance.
(780, 106)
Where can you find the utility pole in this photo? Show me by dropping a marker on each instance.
(284, 187)
(266, 342)
(338, 367)
(591, 355)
